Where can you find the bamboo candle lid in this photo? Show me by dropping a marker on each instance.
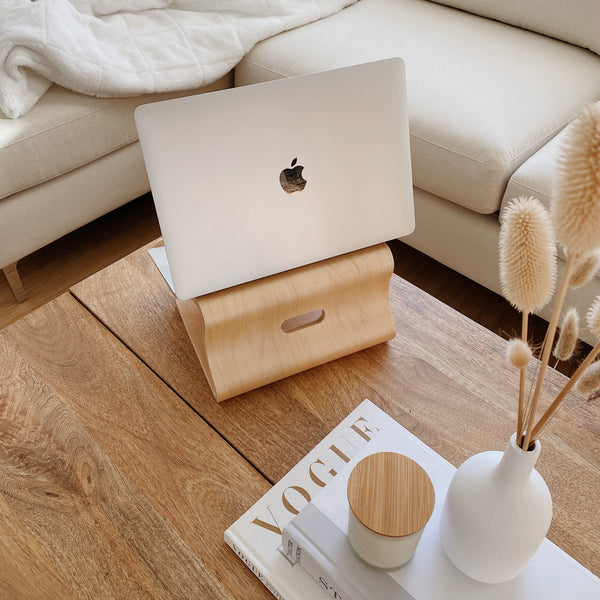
(391, 494)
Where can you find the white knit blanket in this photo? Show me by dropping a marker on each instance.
(114, 48)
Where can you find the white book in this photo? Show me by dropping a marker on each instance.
(320, 479)
(321, 548)
(256, 536)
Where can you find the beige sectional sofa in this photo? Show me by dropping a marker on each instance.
(487, 102)
(490, 87)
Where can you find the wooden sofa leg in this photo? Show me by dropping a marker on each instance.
(14, 282)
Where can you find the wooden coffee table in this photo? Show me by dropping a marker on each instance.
(119, 472)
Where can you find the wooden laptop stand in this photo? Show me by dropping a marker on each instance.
(262, 331)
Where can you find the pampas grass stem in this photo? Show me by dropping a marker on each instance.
(560, 298)
(521, 409)
(528, 265)
(551, 410)
(527, 268)
(593, 323)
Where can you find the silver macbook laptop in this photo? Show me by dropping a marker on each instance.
(257, 180)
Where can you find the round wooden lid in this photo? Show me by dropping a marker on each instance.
(391, 494)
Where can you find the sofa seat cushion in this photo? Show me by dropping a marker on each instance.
(65, 131)
(483, 96)
(535, 177)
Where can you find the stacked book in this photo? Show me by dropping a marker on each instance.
(294, 538)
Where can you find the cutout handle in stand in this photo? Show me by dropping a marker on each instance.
(306, 320)
(259, 332)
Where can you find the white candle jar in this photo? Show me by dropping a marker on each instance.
(391, 499)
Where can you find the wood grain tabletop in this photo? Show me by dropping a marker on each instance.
(111, 486)
(120, 472)
(443, 377)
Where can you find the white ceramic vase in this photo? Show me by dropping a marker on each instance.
(496, 513)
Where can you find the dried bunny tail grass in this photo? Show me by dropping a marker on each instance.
(594, 396)
(569, 333)
(590, 380)
(518, 353)
(593, 317)
(576, 198)
(585, 268)
(527, 255)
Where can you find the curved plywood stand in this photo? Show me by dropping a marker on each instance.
(262, 331)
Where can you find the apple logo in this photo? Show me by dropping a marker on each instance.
(291, 179)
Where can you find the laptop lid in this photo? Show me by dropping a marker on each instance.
(256, 180)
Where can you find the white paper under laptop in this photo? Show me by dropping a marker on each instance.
(159, 256)
(256, 180)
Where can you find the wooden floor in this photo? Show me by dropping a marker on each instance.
(50, 271)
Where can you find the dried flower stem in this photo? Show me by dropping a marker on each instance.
(560, 298)
(521, 413)
(541, 424)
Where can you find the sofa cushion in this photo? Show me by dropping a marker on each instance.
(535, 177)
(39, 215)
(482, 96)
(575, 21)
(65, 131)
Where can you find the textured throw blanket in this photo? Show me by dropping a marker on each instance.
(114, 48)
